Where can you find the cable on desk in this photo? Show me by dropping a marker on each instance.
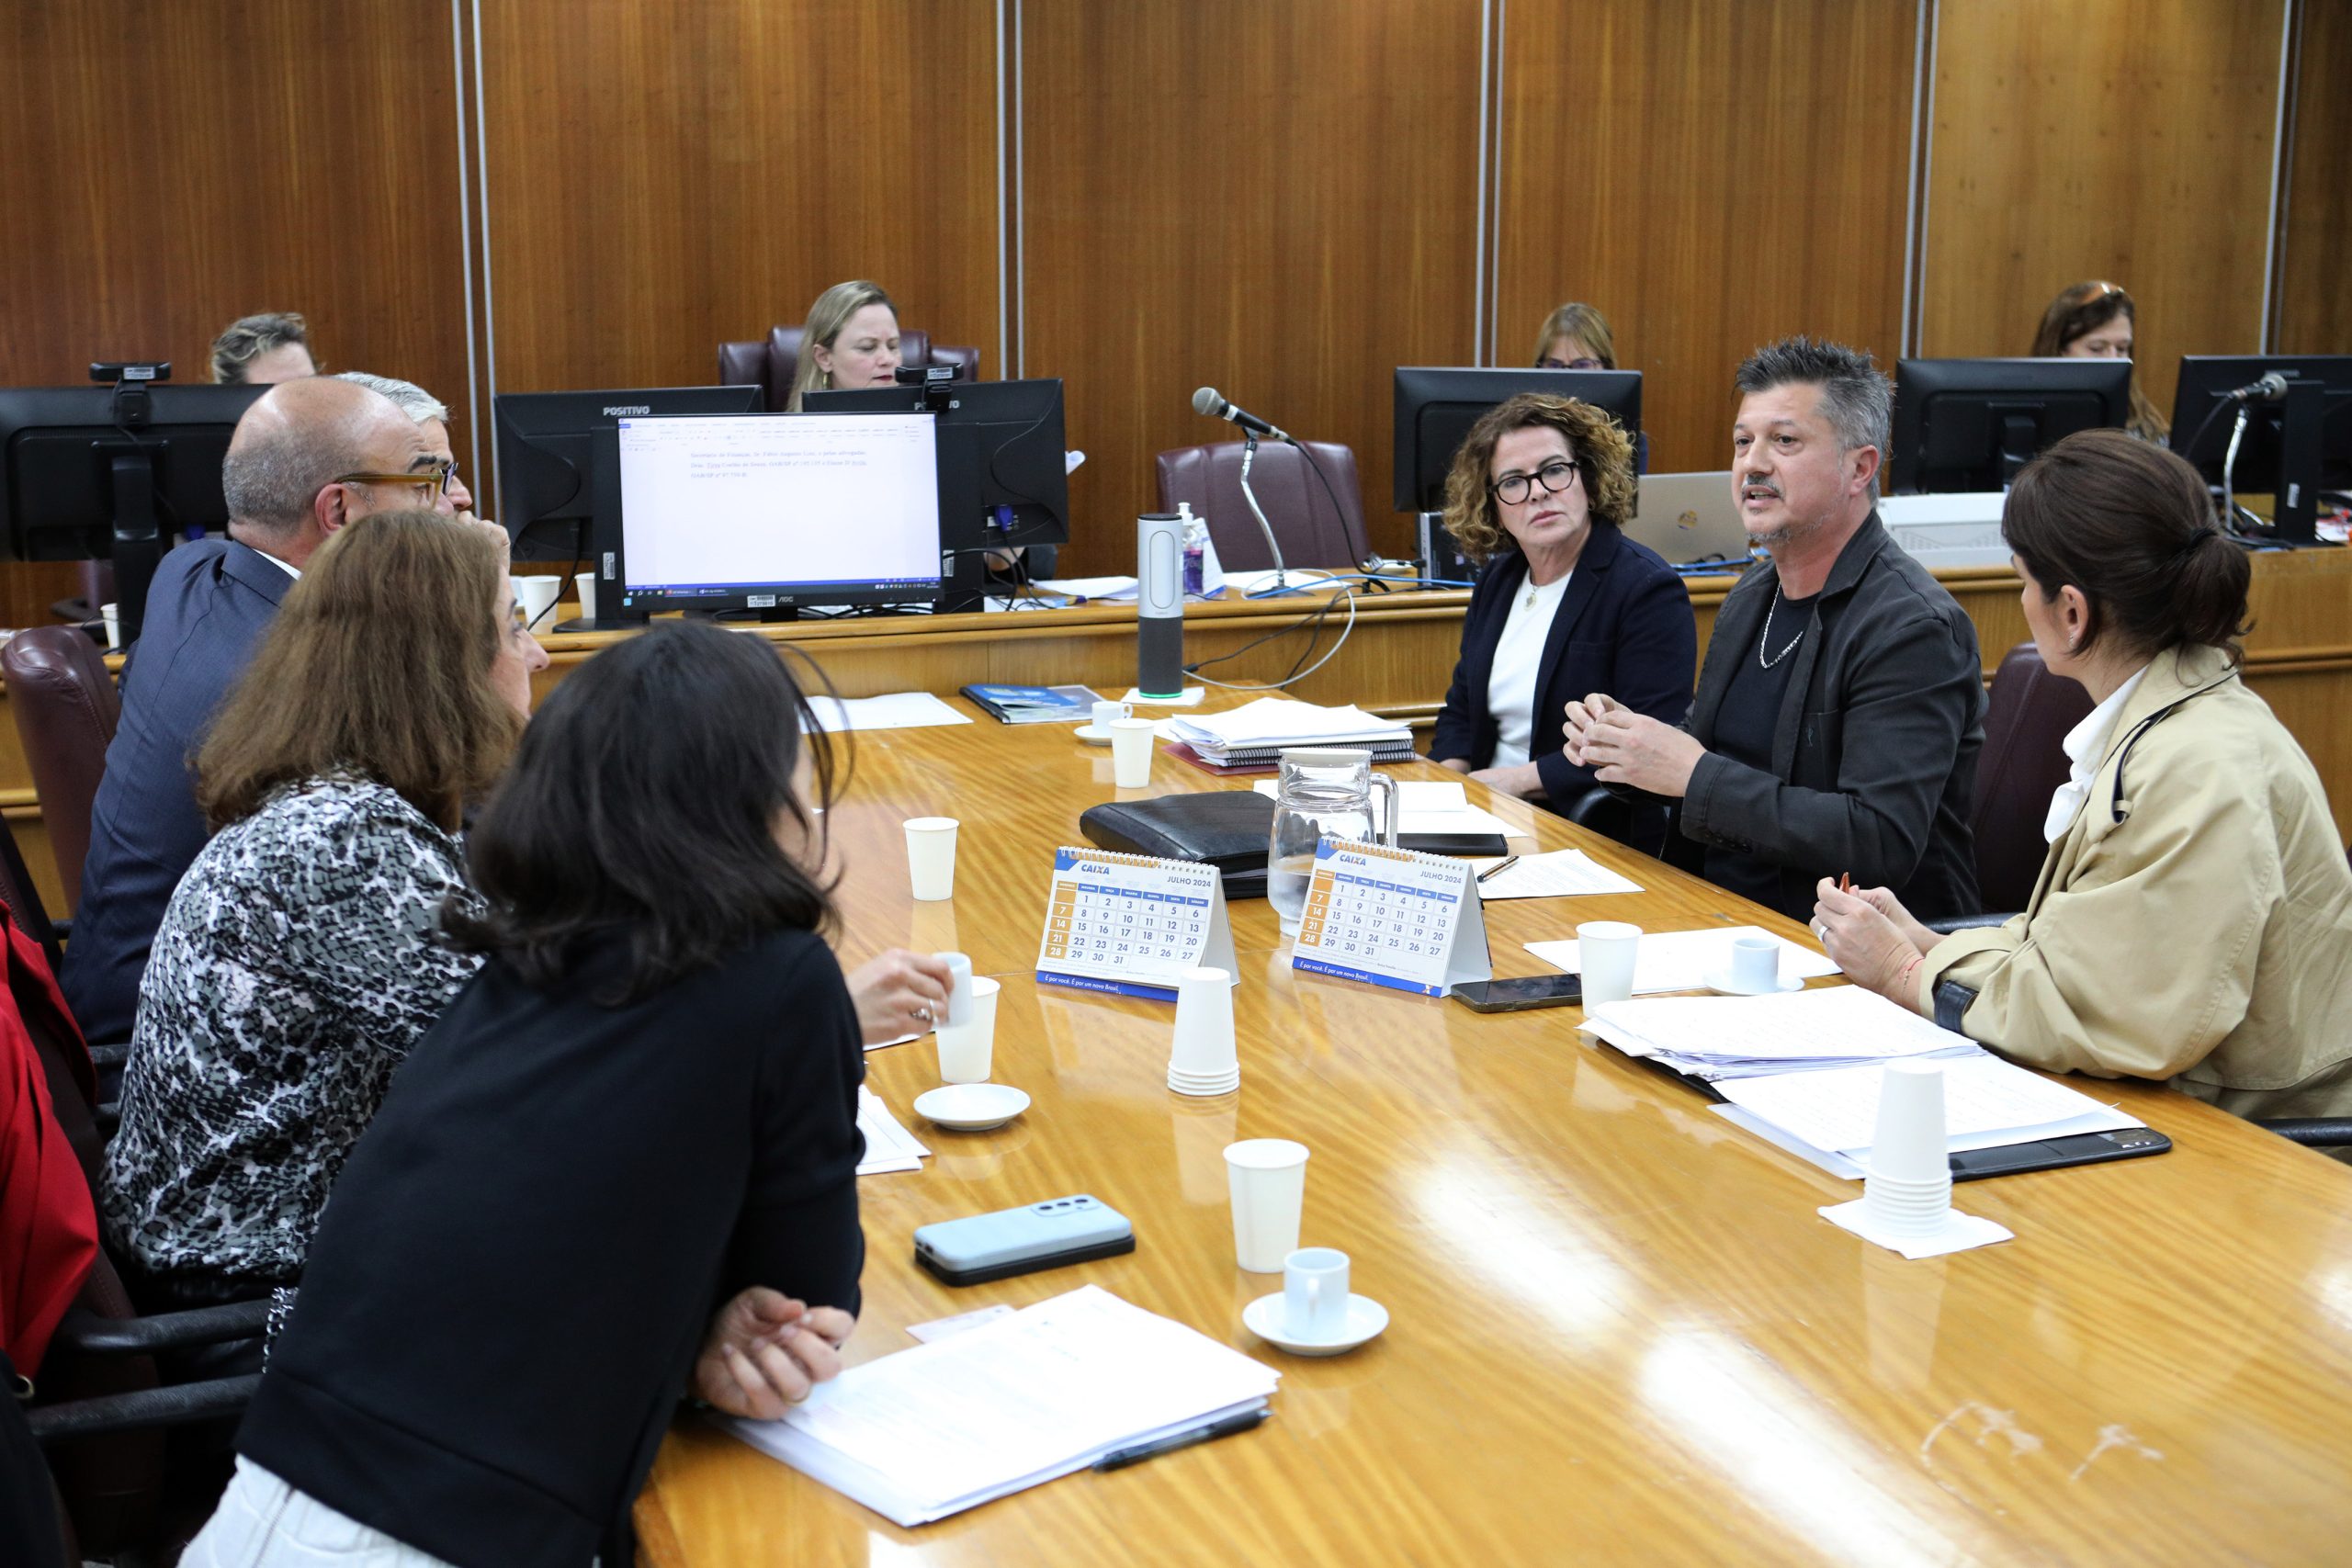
(1296, 674)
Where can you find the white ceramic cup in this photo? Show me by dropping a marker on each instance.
(1203, 1048)
(538, 597)
(1131, 752)
(966, 1051)
(1605, 952)
(1266, 1179)
(1108, 713)
(1909, 1143)
(112, 615)
(931, 857)
(959, 986)
(584, 584)
(1754, 964)
(1314, 1293)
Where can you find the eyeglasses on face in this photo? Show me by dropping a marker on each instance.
(429, 482)
(1548, 363)
(1554, 476)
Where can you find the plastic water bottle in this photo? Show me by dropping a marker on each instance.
(1196, 534)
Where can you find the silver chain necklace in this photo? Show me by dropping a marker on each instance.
(1765, 640)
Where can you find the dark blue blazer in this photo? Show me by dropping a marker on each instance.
(1624, 627)
(206, 611)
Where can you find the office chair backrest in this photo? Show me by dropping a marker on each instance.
(771, 363)
(1311, 532)
(66, 709)
(2021, 766)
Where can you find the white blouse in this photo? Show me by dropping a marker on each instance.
(1510, 685)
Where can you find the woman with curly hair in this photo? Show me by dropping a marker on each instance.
(1567, 605)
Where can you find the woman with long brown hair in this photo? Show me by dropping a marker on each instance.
(297, 961)
(2098, 320)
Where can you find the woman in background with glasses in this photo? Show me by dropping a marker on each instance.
(1538, 491)
(2096, 320)
(1576, 337)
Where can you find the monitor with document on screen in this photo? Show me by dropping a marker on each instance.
(769, 512)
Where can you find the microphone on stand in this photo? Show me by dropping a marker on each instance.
(2269, 387)
(1208, 402)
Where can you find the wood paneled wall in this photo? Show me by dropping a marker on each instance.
(167, 168)
(2314, 313)
(2127, 140)
(1280, 201)
(1712, 174)
(665, 177)
(1284, 201)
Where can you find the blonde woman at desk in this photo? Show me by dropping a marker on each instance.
(2193, 922)
(851, 339)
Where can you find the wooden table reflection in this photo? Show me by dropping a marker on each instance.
(1620, 1330)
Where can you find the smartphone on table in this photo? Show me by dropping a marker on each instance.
(1519, 995)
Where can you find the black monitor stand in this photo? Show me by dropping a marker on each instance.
(138, 542)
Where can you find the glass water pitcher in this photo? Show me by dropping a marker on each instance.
(1324, 792)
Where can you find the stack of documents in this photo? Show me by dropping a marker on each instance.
(1258, 733)
(929, 1432)
(1801, 1069)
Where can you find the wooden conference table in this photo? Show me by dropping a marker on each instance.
(1619, 1331)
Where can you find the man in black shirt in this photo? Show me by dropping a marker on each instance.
(1840, 706)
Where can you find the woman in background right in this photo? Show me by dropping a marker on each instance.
(2193, 920)
(2094, 320)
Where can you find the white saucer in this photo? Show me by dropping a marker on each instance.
(1264, 1318)
(1719, 982)
(1092, 735)
(971, 1107)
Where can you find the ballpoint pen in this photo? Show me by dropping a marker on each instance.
(1119, 1459)
(1499, 867)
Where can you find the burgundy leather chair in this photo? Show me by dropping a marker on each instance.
(772, 362)
(1310, 528)
(2021, 765)
(66, 709)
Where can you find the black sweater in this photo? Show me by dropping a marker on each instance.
(515, 1270)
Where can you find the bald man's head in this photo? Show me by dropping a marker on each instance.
(294, 442)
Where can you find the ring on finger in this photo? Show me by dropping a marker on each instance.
(922, 1015)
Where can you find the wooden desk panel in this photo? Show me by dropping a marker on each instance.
(1619, 1331)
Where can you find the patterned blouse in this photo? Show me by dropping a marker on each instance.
(294, 970)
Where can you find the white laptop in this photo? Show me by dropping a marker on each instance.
(1690, 517)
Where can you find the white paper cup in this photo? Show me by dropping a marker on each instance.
(538, 597)
(959, 986)
(1605, 952)
(1314, 1293)
(1754, 964)
(1203, 1048)
(1108, 713)
(584, 584)
(1909, 1143)
(112, 615)
(966, 1051)
(931, 857)
(1266, 1179)
(1131, 752)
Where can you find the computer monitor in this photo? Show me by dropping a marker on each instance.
(1970, 424)
(548, 445)
(1002, 477)
(777, 514)
(2294, 447)
(87, 477)
(1437, 405)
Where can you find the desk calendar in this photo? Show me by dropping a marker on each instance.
(1132, 924)
(1394, 918)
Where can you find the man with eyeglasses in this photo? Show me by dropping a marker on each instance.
(310, 457)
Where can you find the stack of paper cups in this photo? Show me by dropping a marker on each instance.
(1907, 1188)
(1204, 1060)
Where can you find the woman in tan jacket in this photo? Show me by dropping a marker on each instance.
(2193, 922)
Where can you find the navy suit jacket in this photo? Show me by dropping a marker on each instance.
(1624, 627)
(206, 611)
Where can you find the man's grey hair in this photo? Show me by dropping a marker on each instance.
(412, 399)
(271, 479)
(1855, 396)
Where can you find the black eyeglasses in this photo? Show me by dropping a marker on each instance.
(1555, 475)
(1548, 363)
(432, 481)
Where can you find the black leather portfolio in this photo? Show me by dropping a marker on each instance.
(1225, 828)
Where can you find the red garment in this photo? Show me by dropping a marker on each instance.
(48, 1228)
